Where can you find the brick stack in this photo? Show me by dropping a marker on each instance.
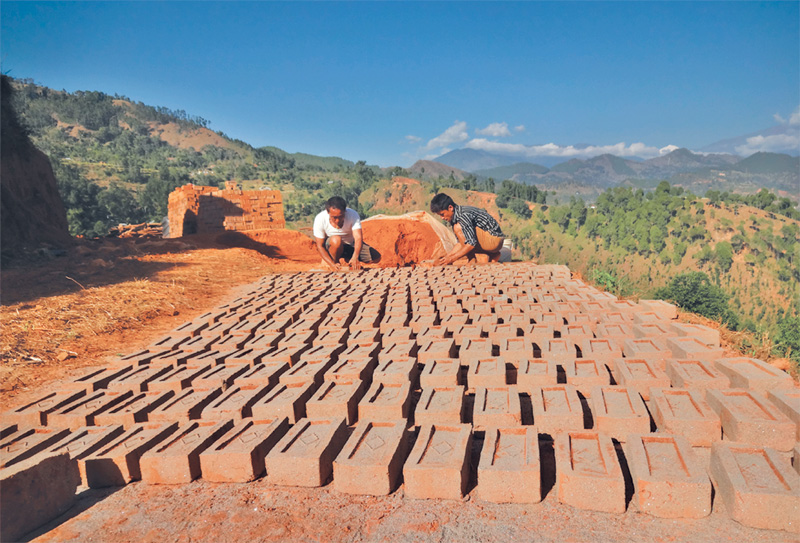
(428, 380)
(203, 210)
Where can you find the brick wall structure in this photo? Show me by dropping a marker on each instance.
(197, 209)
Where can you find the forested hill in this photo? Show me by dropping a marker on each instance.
(117, 159)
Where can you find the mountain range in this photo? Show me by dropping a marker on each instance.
(682, 167)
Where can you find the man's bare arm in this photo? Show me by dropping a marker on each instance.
(323, 252)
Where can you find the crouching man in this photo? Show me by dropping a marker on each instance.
(337, 233)
(476, 230)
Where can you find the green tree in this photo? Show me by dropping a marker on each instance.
(787, 340)
(724, 255)
(695, 292)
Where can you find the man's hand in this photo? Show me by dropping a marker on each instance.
(333, 266)
(441, 261)
(355, 263)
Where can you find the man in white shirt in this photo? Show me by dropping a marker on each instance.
(337, 233)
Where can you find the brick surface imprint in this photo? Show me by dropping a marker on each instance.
(378, 382)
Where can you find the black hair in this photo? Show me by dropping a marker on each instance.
(441, 202)
(336, 202)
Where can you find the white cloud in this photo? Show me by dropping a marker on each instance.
(794, 118)
(520, 128)
(413, 139)
(455, 134)
(551, 149)
(495, 130)
(788, 142)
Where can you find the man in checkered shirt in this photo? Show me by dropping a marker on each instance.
(476, 230)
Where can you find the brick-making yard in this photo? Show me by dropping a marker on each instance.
(496, 402)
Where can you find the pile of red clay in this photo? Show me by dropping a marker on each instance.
(407, 239)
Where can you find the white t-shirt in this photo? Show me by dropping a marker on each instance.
(324, 229)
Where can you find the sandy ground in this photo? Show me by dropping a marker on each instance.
(63, 314)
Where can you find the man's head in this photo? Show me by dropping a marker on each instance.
(444, 206)
(336, 207)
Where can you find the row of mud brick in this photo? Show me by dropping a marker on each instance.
(511, 375)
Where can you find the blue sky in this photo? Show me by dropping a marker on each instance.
(391, 82)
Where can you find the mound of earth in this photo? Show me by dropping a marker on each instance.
(274, 243)
(407, 239)
(32, 210)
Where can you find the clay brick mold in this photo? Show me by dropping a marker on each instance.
(509, 467)
(496, 406)
(749, 418)
(536, 372)
(684, 412)
(238, 455)
(371, 461)
(757, 486)
(304, 456)
(335, 399)
(117, 463)
(619, 411)
(639, 375)
(440, 405)
(284, 401)
(385, 401)
(668, 479)
(695, 374)
(589, 475)
(556, 408)
(753, 374)
(438, 466)
(177, 459)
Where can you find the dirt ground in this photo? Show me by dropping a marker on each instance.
(64, 313)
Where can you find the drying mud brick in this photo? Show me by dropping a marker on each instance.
(441, 372)
(748, 418)
(372, 459)
(474, 349)
(261, 375)
(616, 331)
(117, 463)
(437, 350)
(487, 372)
(653, 329)
(385, 402)
(509, 467)
(305, 372)
(753, 374)
(497, 406)
(707, 335)
(184, 406)
(664, 310)
(35, 413)
(788, 403)
(96, 379)
(668, 479)
(466, 332)
(619, 411)
(757, 486)
(351, 370)
(177, 379)
(284, 401)
(35, 492)
(83, 442)
(133, 409)
(516, 350)
(218, 377)
(536, 372)
(588, 474)
(82, 411)
(796, 458)
(235, 403)
(586, 373)
(691, 348)
(287, 353)
(336, 399)
(138, 379)
(238, 456)
(648, 348)
(561, 351)
(438, 466)
(601, 349)
(684, 412)
(27, 443)
(397, 371)
(695, 374)
(556, 408)
(304, 457)
(177, 459)
(399, 350)
(440, 405)
(639, 375)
